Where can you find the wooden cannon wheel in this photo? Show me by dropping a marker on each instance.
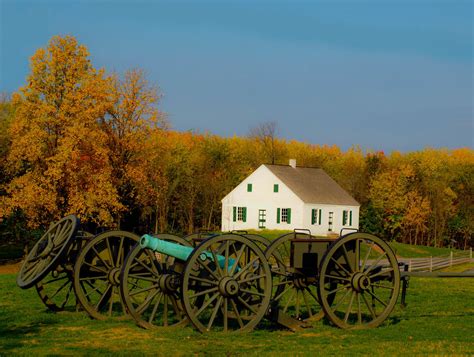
(151, 286)
(97, 273)
(294, 294)
(226, 284)
(47, 252)
(359, 281)
(55, 289)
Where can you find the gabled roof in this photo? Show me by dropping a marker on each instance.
(312, 185)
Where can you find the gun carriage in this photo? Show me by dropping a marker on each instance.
(214, 281)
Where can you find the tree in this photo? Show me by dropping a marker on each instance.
(266, 134)
(57, 154)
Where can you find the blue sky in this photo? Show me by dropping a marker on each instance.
(385, 75)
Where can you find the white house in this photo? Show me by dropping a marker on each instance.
(289, 197)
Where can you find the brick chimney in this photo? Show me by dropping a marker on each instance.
(293, 163)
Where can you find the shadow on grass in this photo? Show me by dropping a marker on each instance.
(15, 336)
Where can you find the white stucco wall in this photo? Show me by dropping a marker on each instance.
(323, 228)
(263, 197)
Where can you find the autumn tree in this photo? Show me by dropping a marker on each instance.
(57, 157)
(128, 124)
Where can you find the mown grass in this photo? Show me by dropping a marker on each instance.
(414, 251)
(439, 319)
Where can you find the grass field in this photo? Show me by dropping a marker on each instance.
(439, 319)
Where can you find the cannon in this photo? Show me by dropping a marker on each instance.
(227, 282)
(218, 281)
(73, 269)
(221, 283)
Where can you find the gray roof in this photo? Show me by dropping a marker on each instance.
(312, 185)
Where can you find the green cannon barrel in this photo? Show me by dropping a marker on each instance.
(178, 251)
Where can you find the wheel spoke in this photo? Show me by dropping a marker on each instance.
(359, 310)
(253, 278)
(340, 266)
(206, 304)
(249, 264)
(239, 319)
(357, 255)
(191, 277)
(349, 308)
(214, 312)
(95, 267)
(59, 289)
(100, 258)
(225, 315)
(377, 298)
(226, 262)
(109, 250)
(252, 292)
(207, 268)
(381, 273)
(154, 286)
(346, 257)
(282, 293)
(341, 300)
(55, 279)
(305, 299)
(372, 312)
(111, 303)
(120, 252)
(204, 292)
(338, 289)
(243, 302)
(288, 301)
(336, 277)
(367, 256)
(165, 310)
(374, 265)
(155, 308)
(236, 263)
(219, 269)
(102, 298)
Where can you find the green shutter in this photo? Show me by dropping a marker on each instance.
(234, 216)
(350, 218)
(278, 215)
(313, 216)
(249, 187)
(320, 217)
(244, 214)
(288, 219)
(275, 187)
(344, 218)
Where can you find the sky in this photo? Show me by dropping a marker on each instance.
(383, 75)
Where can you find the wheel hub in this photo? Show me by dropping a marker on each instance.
(114, 276)
(167, 283)
(360, 281)
(228, 287)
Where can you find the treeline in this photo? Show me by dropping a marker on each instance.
(78, 140)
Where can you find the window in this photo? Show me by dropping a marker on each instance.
(316, 216)
(262, 218)
(331, 214)
(284, 215)
(347, 218)
(249, 187)
(239, 214)
(275, 187)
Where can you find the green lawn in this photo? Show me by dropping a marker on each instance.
(439, 319)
